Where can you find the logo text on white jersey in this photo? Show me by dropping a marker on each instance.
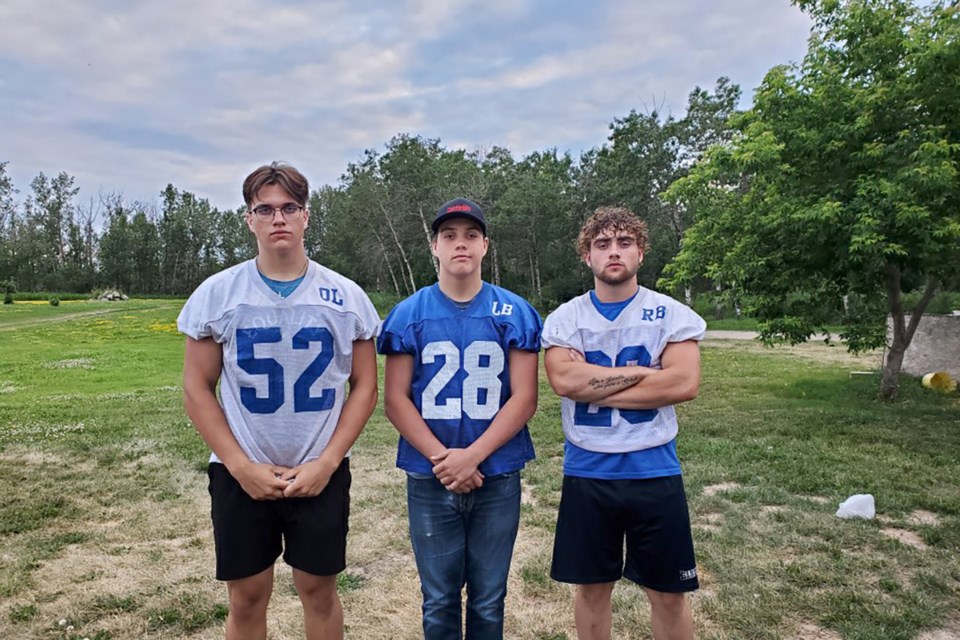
(331, 295)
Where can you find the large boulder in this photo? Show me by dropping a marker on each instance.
(112, 295)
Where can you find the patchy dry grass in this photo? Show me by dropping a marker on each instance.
(105, 519)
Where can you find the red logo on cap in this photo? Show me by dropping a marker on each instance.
(458, 207)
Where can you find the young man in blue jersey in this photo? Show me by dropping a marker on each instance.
(460, 385)
(284, 336)
(621, 356)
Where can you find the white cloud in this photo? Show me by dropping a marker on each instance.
(131, 96)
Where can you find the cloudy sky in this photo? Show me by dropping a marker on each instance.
(129, 96)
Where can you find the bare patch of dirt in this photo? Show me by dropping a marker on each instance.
(526, 494)
(940, 634)
(903, 536)
(921, 517)
(810, 631)
(816, 350)
(714, 489)
(709, 521)
(772, 508)
(707, 581)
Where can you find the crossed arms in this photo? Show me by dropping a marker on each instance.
(628, 387)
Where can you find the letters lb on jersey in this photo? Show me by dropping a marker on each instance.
(286, 361)
(460, 372)
(636, 337)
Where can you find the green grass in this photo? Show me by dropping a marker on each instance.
(93, 403)
(24, 314)
(24, 296)
(732, 324)
(751, 324)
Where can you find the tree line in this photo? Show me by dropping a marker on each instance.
(374, 224)
(831, 199)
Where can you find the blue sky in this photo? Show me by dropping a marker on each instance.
(130, 96)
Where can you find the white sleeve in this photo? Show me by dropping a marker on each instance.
(368, 320)
(557, 329)
(198, 317)
(687, 325)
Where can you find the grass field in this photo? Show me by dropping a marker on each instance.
(105, 533)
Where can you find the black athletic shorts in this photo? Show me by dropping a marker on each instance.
(596, 515)
(250, 534)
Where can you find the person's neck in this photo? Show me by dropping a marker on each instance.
(285, 266)
(460, 289)
(615, 292)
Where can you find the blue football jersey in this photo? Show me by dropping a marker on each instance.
(460, 374)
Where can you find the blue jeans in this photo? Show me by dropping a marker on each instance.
(463, 539)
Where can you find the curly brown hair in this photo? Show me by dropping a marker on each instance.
(280, 174)
(612, 219)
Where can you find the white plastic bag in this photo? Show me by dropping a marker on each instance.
(860, 505)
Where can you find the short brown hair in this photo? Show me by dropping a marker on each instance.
(612, 219)
(278, 173)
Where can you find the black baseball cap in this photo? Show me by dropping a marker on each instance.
(460, 208)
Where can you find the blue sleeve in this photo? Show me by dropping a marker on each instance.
(390, 341)
(523, 332)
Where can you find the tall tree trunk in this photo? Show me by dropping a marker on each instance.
(403, 254)
(386, 260)
(496, 267)
(426, 233)
(539, 283)
(903, 330)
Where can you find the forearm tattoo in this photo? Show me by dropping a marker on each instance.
(599, 384)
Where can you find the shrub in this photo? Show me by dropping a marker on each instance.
(54, 301)
(8, 288)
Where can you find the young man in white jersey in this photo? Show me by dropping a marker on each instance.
(460, 385)
(621, 356)
(285, 337)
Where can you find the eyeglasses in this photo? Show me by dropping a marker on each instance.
(265, 211)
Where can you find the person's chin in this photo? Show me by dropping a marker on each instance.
(613, 279)
(462, 267)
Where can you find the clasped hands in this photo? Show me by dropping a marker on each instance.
(456, 469)
(273, 482)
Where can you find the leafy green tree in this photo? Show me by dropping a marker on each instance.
(188, 230)
(51, 214)
(843, 183)
(117, 248)
(8, 213)
(377, 223)
(531, 227)
(646, 153)
(144, 242)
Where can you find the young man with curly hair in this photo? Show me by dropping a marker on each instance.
(621, 356)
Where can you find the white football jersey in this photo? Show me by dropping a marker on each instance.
(637, 336)
(286, 361)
